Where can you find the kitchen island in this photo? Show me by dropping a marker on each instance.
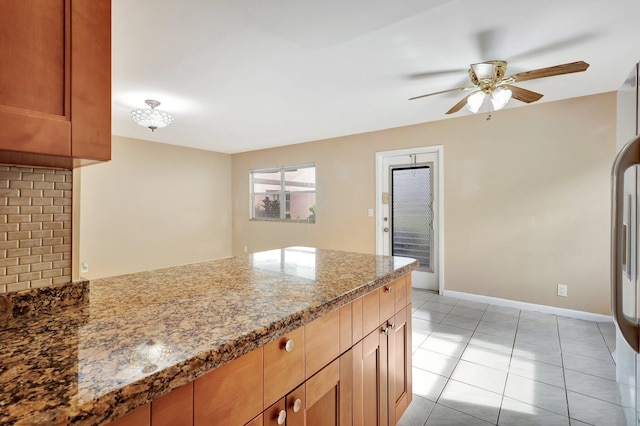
(139, 337)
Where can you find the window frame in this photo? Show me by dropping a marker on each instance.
(283, 195)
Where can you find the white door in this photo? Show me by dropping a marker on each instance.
(408, 211)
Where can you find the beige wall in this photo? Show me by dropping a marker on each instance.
(526, 199)
(152, 206)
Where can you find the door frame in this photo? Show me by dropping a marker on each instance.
(380, 156)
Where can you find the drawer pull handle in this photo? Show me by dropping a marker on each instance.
(288, 346)
(388, 289)
(392, 325)
(385, 331)
(282, 416)
(297, 405)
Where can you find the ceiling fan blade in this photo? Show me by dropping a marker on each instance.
(443, 91)
(523, 95)
(457, 107)
(550, 71)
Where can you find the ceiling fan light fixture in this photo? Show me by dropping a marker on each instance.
(475, 101)
(151, 117)
(500, 98)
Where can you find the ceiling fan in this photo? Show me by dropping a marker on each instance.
(491, 85)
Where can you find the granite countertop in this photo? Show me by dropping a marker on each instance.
(133, 338)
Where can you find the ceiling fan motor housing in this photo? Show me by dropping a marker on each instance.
(485, 75)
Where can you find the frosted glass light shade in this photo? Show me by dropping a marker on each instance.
(475, 101)
(152, 118)
(500, 98)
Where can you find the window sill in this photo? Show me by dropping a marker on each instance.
(265, 219)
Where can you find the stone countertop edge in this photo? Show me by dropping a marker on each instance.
(164, 381)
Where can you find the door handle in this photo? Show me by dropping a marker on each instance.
(628, 157)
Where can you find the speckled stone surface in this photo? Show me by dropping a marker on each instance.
(144, 334)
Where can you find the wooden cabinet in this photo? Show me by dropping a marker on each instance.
(349, 367)
(399, 364)
(174, 408)
(283, 365)
(231, 394)
(382, 387)
(55, 84)
(141, 416)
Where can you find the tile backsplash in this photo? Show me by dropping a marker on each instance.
(35, 227)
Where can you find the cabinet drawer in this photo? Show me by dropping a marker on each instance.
(322, 342)
(174, 408)
(283, 365)
(387, 300)
(231, 394)
(402, 290)
(258, 421)
(370, 312)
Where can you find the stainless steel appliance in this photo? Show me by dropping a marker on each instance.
(624, 248)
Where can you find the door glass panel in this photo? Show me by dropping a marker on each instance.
(412, 214)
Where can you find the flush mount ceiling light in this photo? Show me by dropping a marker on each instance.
(151, 117)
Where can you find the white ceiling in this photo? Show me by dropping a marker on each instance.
(240, 75)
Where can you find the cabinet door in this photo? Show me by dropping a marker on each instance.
(174, 408)
(232, 393)
(399, 359)
(295, 403)
(328, 394)
(56, 70)
(370, 380)
(138, 417)
(35, 78)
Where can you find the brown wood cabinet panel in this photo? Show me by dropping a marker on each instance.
(141, 416)
(283, 370)
(232, 393)
(91, 79)
(55, 84)
(296, 402)
(356, 320)
(371, 312)
(322, 342)
(257, 421)
(400, 292)
(346, 388)
(328, 394)
(276, 414)
(33, 55)
(345, 328)
(399, 362)
(370, 380)
(387, 300)
(174, 408)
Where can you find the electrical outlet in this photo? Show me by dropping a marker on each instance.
(562, 290)
(370, 212)
(245, 249)
(84, 267)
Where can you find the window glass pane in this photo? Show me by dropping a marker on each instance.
(301, 179)
(300, 205)
(267, 205)
(266, 182)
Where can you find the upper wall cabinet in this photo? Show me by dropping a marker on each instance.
(55, 83)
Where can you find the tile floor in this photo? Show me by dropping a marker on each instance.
(479, 364)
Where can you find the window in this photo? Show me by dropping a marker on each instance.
(285, 193)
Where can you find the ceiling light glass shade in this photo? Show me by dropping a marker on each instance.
(151, 117)
(500, 98)
(475, 101)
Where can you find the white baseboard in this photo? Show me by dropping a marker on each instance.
(588, 316)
